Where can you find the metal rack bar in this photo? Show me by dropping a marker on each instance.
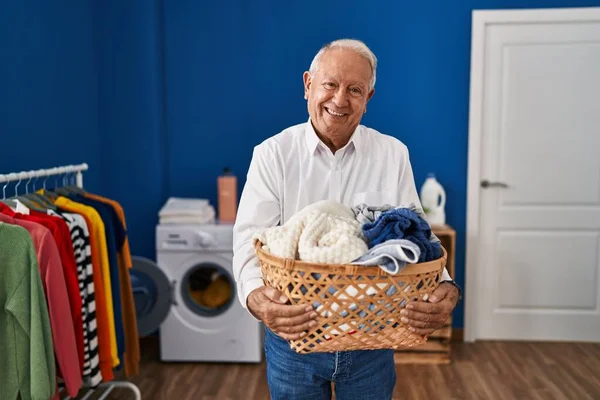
(67, 169)
(109, 386)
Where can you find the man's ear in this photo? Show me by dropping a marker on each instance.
(371, 93)
(307, 82)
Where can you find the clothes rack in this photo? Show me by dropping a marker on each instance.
(56, 172)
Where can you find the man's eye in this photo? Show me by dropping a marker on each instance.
(355, 90)
(329, 85)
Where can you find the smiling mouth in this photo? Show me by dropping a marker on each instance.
(333, 113)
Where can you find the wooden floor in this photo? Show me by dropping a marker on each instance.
(487, 371)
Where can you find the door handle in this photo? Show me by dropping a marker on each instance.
(173, 288)
(487, 184)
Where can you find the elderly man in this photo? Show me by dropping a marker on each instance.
(329, 157)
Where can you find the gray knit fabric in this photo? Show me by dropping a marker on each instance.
(365, 214)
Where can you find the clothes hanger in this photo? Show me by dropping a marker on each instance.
(25, 201)
(38, 198)
(62, 190)
(12, 204)
(68, 187)
(49, 194)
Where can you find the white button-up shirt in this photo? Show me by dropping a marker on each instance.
(294, 169)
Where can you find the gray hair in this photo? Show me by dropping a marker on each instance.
(355, 45)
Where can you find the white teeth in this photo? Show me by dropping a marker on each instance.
(334, 113)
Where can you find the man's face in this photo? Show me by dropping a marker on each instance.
(338, 93)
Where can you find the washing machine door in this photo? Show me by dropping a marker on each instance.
(205, 295)
(152, 294)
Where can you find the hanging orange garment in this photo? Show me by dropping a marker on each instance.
(98, 262)
(132, 348)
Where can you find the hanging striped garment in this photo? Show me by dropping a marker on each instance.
(83, 256)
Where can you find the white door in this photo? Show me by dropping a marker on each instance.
(533, 236)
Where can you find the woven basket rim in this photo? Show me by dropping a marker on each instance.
(348, 269)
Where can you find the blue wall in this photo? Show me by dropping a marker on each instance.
(128, 47)
(158, 96)
(48, 87)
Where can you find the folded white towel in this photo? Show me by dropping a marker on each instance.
(178, 206)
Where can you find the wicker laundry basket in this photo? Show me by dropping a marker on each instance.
(358, 306)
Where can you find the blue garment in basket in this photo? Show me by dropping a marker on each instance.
(403, 223)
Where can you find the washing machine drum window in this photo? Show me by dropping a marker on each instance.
(207, 289)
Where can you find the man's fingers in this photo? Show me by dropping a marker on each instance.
(288, 311)
(444, 291)
(424, 307)
(290, 329)
(422, 332)
(295, 327)
(424, 318)
(442, 307)
(275, 295)
(276, 313)
(410, 315)
(295, 321)
(439, 293)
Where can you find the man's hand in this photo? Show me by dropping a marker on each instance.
(288, 321)
(425, 317)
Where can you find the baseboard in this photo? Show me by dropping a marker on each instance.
(457, 334)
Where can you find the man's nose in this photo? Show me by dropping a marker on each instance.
(340, 98)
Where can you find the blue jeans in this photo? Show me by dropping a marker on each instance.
(363, 374)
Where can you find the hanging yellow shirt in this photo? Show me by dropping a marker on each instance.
(99, 246)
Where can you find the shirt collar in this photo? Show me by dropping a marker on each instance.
(313, 141)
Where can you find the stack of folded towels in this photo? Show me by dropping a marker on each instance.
(328, 232)
(186, 211)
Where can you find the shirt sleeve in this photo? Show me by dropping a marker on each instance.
(409, 196)
(259, 208)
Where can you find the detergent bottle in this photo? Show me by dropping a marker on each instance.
(227, 196)
(433, 200)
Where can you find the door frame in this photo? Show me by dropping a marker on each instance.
(480, 20)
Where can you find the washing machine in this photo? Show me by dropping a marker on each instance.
(194, 300)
